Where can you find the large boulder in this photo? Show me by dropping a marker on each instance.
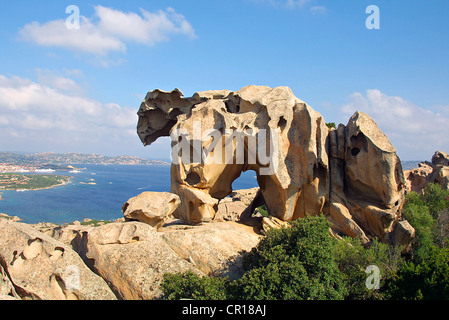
(436, 171)
(352, 174)
(132, 258)
(152, 208)
(366, 182)
(236, 204)
(216, 248)
(36, 266)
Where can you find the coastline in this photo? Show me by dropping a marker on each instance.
(62, 183)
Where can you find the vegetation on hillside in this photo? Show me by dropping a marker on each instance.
(70, 158)
(16, 181)
(305, 262)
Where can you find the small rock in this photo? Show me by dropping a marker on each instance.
(152, 208)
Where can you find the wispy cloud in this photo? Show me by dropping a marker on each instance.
(109, 30)
(318, 10)
(53, 113)
(412, 129)
(295, 4)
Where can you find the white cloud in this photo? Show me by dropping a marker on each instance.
(148, 29)
(52, 79)
(294, 4)
(415, 132)
(109, 30)
(318, 10)
(89, 38)
(44, 116)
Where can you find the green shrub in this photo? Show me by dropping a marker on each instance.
(422, 212)
(294, 263)
(427, 280)
(353, 259)
(426, 275)
(290, 263)
(191, 286)
(262, 210)
(418, 215)
(435, 198)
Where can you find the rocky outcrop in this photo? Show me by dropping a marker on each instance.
(352, 174)
(273, 119)
(238, 204)
(37, 267)
(215, 249)
(152, 208)
(132, 256)
(436, 171)
(366, 182)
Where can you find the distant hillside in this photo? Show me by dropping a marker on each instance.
(407, 165)
(72, 158)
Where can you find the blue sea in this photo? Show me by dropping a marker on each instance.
(78, 200)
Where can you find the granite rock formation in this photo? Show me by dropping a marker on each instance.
(132, 256)
(152, 208)
(436, 171)
(34, 266)
(352, 174)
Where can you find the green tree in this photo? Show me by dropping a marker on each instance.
(427, 280)
(191, 286)
(436, 198)
(294, 263)
(353, 259)
(426, 275)
(290, 263)
(417, 212)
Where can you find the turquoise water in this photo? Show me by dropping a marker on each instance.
(114, 185)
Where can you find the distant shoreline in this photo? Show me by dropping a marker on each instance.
(21, 182)
(50, 159)
(63, 183)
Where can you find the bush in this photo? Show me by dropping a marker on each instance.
(353, 259)
(422, 211)
(290, 263)
(294, 263)
(427, 280)
(418, 215)
(426, 275)
(262, 210)
(191, 286)
(435, 198)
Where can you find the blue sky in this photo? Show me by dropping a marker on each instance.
(79, 90)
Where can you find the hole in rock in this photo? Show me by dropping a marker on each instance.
(192, 178)
(355, 151)
(282, 123)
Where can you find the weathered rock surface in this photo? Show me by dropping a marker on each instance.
(233, 207)
(36, 266)
(440, 158)
(436, 171)
(152, 208)
(215, 248)
(132, 258)
(352, 174)
(366, 182)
